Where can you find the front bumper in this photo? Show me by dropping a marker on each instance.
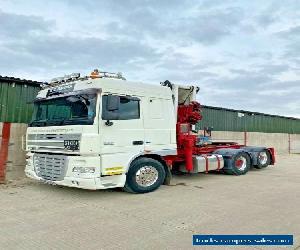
(92, 183)
(72, 179)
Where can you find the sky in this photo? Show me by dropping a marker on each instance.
(242, 54)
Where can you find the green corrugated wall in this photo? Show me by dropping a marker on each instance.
(229, 120)
(15, 102)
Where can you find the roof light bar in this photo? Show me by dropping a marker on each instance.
(76, 76)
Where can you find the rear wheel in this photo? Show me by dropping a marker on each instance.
(263, 159)
(144, 175)
(240, 164)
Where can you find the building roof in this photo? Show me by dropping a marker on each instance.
(9, 79)
(248, 112)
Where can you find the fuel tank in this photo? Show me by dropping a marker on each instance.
(205, 163)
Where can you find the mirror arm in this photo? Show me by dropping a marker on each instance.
(109, 123)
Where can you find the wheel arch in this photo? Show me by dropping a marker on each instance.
(157, 157)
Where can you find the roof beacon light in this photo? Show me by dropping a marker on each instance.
(101, 74)
(95, 74)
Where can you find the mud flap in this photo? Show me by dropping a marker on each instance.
(168, 177)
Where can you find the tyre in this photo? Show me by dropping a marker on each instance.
(263, 159)
(144, 175)
(239, 165)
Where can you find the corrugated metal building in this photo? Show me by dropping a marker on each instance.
(222, 119)
(16, 96)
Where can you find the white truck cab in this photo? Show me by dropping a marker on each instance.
(86, 132)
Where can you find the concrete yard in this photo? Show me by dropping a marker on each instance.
(39, 216)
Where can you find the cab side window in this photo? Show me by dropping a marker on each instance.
(120, 107)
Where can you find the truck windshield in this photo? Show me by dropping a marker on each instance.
(68, 110)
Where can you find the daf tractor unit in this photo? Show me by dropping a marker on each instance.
(102, 131)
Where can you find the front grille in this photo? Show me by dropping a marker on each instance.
(50, 167)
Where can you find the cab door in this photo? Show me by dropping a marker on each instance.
(121, 130)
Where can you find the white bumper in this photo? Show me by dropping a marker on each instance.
(90, 181)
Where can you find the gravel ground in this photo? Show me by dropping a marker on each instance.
(39, 216)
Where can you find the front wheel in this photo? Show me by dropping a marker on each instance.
(144, 175)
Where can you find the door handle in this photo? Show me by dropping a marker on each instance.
(137, 142)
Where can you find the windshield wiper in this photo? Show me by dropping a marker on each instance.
(38, 122)
(58, 121)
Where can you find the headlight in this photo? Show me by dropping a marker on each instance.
(83, 170)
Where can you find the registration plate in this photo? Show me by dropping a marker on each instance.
(71, 144)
